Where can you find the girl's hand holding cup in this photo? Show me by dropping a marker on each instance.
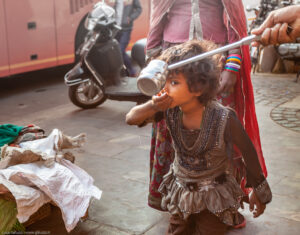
(161, 101)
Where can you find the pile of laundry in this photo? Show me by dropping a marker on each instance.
(36, 169)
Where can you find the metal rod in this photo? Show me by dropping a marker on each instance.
(244, 41)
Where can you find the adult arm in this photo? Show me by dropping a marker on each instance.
(137, 10)
(228, 79)
(155, 38)
(275, 28)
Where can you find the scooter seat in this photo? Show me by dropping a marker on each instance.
(138, 52)
(126, 87)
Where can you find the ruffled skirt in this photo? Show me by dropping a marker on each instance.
(221, 199)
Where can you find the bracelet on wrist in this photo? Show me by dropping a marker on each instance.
(234, 65)
(236, 58)
(236, 55)
(231, 70)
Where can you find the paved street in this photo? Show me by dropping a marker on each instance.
(116, 155)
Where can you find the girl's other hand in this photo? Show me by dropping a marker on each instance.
(256, 205)
(244, 199)
(161, 101)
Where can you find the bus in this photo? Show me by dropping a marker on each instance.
(39, 34)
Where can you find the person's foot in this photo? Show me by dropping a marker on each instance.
(241, 221)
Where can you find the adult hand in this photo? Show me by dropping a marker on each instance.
(256, 205)
(129, 20)
(275, 29)
(161, 101)
(227, 81)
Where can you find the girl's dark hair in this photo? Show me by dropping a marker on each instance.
(202, 75)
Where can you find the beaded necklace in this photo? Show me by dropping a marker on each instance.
(179, 131)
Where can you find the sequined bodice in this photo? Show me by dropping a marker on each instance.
(189, 136)
(203, 149)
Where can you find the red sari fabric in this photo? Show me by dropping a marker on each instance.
(244, 97)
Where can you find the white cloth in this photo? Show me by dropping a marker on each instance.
(64, 183)
(28, 199)
(67, 185)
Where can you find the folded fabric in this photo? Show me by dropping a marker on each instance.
(28, 199)
(8, 133)
(37, 182)
(55, 142)
(11, 156)
(29, 133)
(66, 184)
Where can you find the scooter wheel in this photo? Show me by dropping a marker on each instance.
(87, 95)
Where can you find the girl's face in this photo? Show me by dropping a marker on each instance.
(177, 88)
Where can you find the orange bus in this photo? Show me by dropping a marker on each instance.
(39, 34)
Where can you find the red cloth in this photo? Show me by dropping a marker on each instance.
(244, 97)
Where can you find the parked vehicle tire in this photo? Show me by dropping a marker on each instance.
(87, 95)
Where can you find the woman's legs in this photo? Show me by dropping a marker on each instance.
(124, 37)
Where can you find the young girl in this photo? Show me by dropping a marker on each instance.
(200, 191)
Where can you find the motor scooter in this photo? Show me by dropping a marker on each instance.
(100, 73)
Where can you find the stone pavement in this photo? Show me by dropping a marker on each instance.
(116, 155)
(278, 92)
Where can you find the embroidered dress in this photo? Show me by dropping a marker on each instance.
(220, 17)
(201, 176)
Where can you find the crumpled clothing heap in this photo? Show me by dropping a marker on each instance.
(29, 133)
(47, 149)
(43, 175)
(8, 133)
